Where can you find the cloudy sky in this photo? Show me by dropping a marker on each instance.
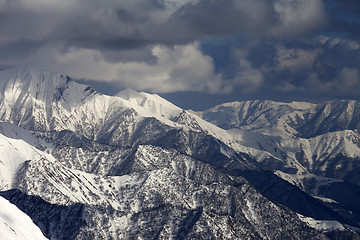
(196, 53)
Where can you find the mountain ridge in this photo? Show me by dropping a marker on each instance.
(135, 157)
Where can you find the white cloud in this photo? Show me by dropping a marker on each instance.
(297, 17)
(179, 68)
(315, 84)
(286, 87)
(347, 43)
(295, 59)
(247, 77)
(347, 82)
(171, 69)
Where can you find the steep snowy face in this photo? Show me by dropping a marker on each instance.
(151, 102)
(298, 137)
(13, 154)
(299, 119)
(46, 101)
(16, 225)
(39, 100)
(333, 154)
(332, 116)
(158, 184)
(24, 82)
(263, 116)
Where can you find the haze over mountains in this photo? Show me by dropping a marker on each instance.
(84, 165)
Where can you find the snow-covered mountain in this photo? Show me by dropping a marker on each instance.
(165, 195)
(164, 186)
(269, 117)
(308, 143)
(128, 120)
(84, 165)
(301, 137)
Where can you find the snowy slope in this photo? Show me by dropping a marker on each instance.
(300, 181)
(153, 185)
(268, 117)
(325, 146)
(12, 131)
(151, 102)
(335, 193)
(176, 197)
(322, 225)
(301, 137)
(13, 154)
(25, 167)
(299, 119)
(16, 225)
(332, 116)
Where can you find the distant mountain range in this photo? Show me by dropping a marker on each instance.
(84, 165)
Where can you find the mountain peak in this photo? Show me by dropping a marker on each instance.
(28, 72)
(152, 102)
(31, 96)
(128, 94)
(25, 78)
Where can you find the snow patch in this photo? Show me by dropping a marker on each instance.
(322, 225)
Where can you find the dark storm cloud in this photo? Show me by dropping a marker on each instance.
(143, 54)
(121, 25)
(18, 48)
(277, 46)
(346, 12)
(323, 65)
(269, 19)
(344, 18)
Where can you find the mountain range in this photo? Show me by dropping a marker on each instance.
(84, 165)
